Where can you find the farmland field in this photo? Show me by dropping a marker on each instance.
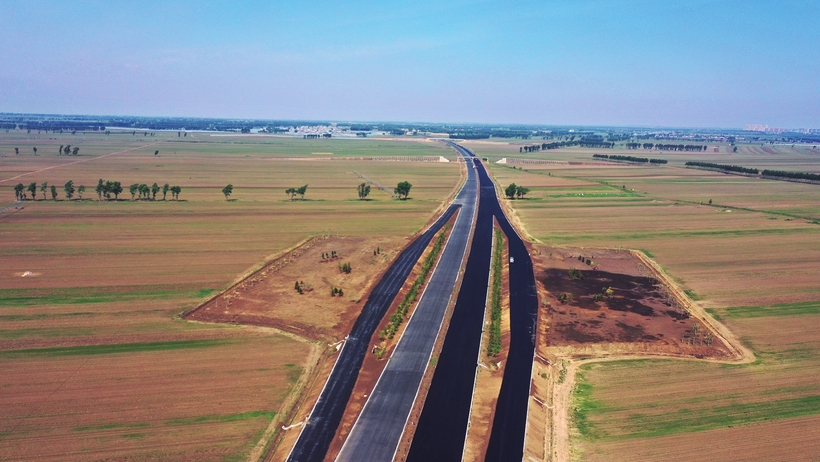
(96, 361)
(751, 257)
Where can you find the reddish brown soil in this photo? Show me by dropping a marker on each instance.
(268, 297)
(637, 312)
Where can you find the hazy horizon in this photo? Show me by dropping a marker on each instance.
(684, 64)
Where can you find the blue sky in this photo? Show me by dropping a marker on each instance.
(699, 63)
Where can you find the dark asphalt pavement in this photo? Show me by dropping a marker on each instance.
(376, 433)
(443, 423)
(316, 436)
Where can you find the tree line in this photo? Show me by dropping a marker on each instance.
(793, 175)
(104, 189)
(641, 160)
(724, 167)
(667, 147)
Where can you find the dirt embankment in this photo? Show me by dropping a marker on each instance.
(295, 292)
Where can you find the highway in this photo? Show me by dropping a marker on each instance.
(442, 427)
(317, 434)
(375, 435)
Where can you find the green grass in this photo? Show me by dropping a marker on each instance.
(111, 426)
(220, 418)
(583, 406)
(784, 309)
(16, 298)
(89, 350)
(590, 415)
(694, 420)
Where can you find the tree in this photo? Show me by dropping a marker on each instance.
(35, 150)
(44, 188)
(69, 189)
(403, 189)
(80, 191)
(100, 188)
(364, 190)
(53, 192)
(156, 153)
(133, 190)
(60, 151)
(175, 190)
(292, 192)
(154, 190)
(227, 190)
(144, 191)
(16, 151)
(67, 149)
(112, 187)
(510, 190)
(521, 191)
(165, 189)
(75, 151)
(32, 188)
(18, 191)
(301, 190)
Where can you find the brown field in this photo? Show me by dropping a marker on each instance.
(98, 364)
(750, 258)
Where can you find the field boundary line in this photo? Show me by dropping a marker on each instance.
(80, 161)
(743, 354)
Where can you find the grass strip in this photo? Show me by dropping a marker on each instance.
(494, 344)
(783, 309)
(688, 420)
(15, 299)
(88, 350)
(220, 418)
(110, 426)
(397, 318)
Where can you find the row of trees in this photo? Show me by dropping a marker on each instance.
(667, 147)
(515, 191)
(20, 190)
(104, 189)
(66, 150)
(724, 167)
(792, 175)
(641, 160)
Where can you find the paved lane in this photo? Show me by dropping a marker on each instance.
(316, 436)
(376, 434)
(443, 423)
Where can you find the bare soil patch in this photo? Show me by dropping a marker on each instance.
(268, 297)
(614, 299)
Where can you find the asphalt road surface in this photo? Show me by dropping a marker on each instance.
(376, 433)
(317, 434)
(443, 423)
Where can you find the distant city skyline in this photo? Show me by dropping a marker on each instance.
(697, 63)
